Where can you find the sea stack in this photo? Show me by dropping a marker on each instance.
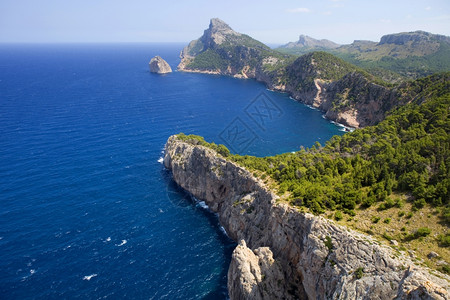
(159, 66)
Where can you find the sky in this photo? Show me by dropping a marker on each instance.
(272, 22)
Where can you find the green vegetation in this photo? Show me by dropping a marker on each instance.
(407, 153)
(359, 273)
(411, 63)
(198, 140)
(328, 243)
(208, 60)
(421, 232)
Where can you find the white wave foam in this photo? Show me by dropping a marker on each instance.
(160, 210)
(160, 160)
(123, 243)
(223, 230)
(32, 271)
(108, 239)
(203, 205)
(89, 277)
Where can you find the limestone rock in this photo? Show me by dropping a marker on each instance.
(280, 241)
(255, 275)
(159, 65)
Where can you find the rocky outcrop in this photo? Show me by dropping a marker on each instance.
(413, 37)
(159, 65)
(284, 253)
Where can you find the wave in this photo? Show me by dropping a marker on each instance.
(202, 204)
(123, 243)
(89, 277)
(160, 160)
(222, 229)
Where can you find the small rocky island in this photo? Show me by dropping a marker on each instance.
(159, 65)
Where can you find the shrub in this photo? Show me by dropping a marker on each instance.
(419, 203)
(423, 231)
(338, 216)
(387, 220)
(446, 269)
(444, 240)
(375, 219)
(328, 243)
(359, 273)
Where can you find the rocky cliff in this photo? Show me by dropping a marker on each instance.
(159, 65)
(286, 254)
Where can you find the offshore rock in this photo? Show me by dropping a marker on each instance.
(159, 65)
(282, 252)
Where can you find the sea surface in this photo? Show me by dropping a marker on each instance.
(87, 210)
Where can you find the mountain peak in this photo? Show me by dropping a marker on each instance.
(217, 32)
(217, 24)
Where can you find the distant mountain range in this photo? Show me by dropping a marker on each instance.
(307, 44)
(396, 56)
(356, 94)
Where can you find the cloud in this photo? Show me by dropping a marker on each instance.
(386, 21)
(327, 13)
(299, 10)
(428, 8)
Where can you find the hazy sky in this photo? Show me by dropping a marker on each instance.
(272, 21)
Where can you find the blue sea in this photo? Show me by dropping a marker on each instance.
(87, 210)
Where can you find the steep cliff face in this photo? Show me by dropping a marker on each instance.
(284, 253)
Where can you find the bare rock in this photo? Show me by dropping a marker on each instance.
(159, 65)
(432, 255)
(255, 275)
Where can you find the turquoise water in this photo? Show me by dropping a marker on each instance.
(87, 210)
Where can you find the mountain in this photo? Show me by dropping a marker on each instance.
(307, 44)
(345, 92)
(396, 57)
(221, 50)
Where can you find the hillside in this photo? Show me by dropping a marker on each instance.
(394, 58)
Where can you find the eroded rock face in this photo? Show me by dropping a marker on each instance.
(279, 242)
(159, 65)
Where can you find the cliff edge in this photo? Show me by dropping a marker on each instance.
(284, 253)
